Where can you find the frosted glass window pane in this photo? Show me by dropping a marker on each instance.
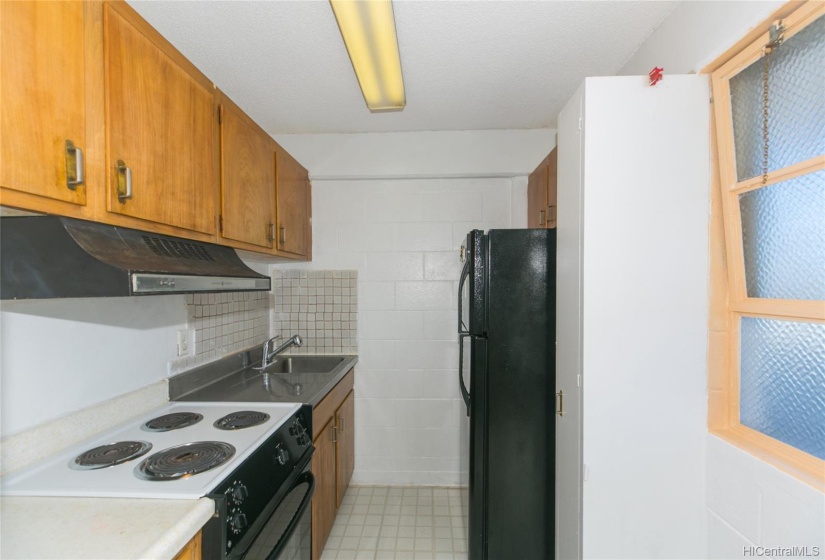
(782, 381)
(783, 237)
(796, 121)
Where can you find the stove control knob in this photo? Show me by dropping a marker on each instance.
(303, 440)
(238, 521)
(282, 456)
(239, 493)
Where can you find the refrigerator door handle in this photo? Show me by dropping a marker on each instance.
(465, 394)
(465, 272)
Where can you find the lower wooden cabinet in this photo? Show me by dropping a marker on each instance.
(334, 459)
(192, 550)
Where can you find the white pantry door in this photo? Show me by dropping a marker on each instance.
(569, 329)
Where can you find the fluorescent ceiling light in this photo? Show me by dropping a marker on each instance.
(368, 29)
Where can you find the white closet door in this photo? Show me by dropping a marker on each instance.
(569, 330)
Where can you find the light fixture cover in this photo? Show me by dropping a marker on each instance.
(368, 30)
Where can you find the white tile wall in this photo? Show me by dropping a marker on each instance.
(222, 324)
(403, 236)
(752, 504)
(320, 305)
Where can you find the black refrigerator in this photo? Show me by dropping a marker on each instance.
(507, 321)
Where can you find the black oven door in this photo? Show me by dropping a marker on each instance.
(287, 534)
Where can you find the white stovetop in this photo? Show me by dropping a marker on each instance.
(54, 477)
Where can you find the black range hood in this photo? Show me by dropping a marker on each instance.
(56, 257)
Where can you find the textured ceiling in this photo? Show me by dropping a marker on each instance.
(467, 65)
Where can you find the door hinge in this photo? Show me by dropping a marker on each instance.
(220, 114)
(220, 223)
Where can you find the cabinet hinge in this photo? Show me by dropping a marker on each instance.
(220, 114)
(220, 223)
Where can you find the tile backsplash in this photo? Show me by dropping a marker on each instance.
(222, 324)
(319, 305)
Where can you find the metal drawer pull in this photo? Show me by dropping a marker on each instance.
(124, 181)
(541, 217)
(74, 165)
(282, 239)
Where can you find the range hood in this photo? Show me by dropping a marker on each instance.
(57, 257)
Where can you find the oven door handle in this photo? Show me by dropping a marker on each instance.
(304, 478)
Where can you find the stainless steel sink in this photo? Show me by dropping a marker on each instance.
(305, 364)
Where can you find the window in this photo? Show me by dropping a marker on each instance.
(767, 332)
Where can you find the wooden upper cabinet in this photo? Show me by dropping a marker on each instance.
(536, 200)
(293, 207)
(541, 193)
(247, 179)
(552, 188)
(345, 456)
(42, 103)
(160, 131)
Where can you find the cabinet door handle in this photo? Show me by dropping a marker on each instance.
(541, 217)
(74, 165)
(560, 403)
(124, 181)
(270, 235)
(334, 434)
(551, 213)
(282, 237)
(341, 424)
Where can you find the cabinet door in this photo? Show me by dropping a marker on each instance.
(159, 126)
(537, 198)
(192, 550)
(43, 99)
(345, 455)
(323, 501)
(293, 206)
(552, 188)
(569, 309)
(247, 180)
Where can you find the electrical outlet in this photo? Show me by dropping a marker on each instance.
(183, 342)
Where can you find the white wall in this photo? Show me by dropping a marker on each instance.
(403, 235)
(474, 153)
(695, 33)
(60, 356)
(749, 502)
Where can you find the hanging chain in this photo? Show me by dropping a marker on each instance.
(777, 35)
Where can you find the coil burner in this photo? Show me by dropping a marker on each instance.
(173, 421)
(184, 460)
(110, 454)
(241, 419)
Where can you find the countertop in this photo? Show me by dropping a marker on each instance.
(98, 528)
(250, 385)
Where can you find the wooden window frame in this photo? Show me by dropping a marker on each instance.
(728, 297)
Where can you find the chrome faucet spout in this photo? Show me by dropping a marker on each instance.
(268, 355)
(265, 352)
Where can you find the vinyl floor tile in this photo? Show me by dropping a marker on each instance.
(395, 523)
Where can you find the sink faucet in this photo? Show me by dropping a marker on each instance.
(267, 354)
